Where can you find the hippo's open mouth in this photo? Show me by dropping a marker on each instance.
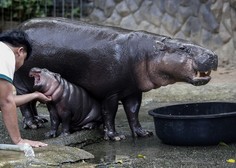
(36, 77)
(203, 74)
(201, 78)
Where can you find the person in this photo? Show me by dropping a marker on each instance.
(14, 50)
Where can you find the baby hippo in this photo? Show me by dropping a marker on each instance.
(71, 105)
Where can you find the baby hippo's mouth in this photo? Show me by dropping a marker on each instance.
(35, 72)
(36, 77)
(44, 81)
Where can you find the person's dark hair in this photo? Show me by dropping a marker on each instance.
(17, 38)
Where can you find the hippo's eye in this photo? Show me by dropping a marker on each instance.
(182, 48)
(185, 49)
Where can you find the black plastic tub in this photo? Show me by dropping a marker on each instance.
(207, 123)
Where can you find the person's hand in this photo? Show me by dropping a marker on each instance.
(34, 144)
(42, 98)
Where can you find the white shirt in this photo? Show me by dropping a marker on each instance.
(7, 62)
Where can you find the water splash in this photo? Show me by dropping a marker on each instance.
(26, 148)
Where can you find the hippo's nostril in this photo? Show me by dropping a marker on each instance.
(206, 62)
(215, 62)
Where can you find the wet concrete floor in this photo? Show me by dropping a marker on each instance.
(151, 152)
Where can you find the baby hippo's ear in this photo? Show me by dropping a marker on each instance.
(57, 76)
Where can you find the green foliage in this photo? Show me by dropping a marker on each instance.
(76, 12)
(20, 10)
(5, 3)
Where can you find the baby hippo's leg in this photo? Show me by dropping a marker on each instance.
(66, 121)
(94, 118)
(55, 122)
(91, 125)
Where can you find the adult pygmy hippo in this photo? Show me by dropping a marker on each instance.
(70, 105)
(112, 64)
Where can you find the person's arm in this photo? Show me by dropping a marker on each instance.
(8, 108)
(22, 99)
(9, 114)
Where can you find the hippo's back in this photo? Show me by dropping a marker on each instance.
(80, 52)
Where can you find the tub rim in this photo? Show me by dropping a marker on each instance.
(202, 116)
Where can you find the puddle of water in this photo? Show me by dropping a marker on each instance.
(113, 152)
(11, 156)
(130, 148)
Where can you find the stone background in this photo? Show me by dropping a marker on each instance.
(210, 23)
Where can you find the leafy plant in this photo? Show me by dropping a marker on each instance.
(5, 3)
(20, 10)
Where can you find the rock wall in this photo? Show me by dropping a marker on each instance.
(210, 23)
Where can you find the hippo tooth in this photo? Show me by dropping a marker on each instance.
(198, 74)
(208, 73)
(203, 74)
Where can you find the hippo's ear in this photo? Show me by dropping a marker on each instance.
(57, 76)
(160, 46)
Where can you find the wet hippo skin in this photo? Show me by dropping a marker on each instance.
(71, 105)
(112, 64)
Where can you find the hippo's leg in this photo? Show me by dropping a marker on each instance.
(65, 116)
(93, 119)
(55, 122)
(109, 109)
(30, 116)
(131, 106)
(91, 125)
